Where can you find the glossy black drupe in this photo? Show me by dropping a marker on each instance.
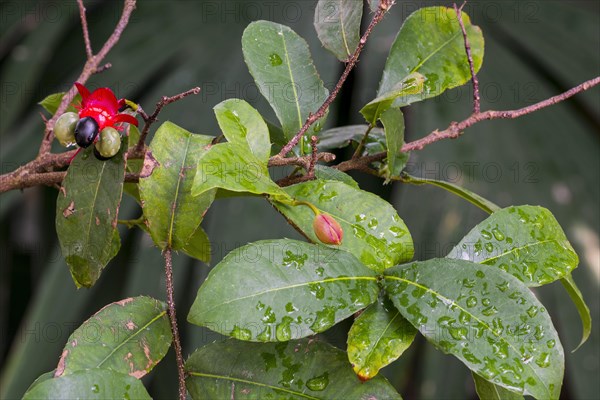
(86, 131)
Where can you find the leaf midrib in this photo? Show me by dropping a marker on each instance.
(254, 383)
(338, 279)
(175, 203)
(293, 81)
(128, 338)
(487, 327)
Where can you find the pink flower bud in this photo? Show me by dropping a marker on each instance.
(327, 229)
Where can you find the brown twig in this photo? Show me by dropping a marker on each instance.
(150, 119)
(476, 97)
(455, 129)
(103, 68)
(313, 157)
(312, 118)
(86, 32)
(27, 175)
(167, 254)
(89, 69)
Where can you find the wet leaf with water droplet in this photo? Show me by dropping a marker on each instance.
(292, 87)
(338, 26)
(89, 384)
(299, 369)
(173, 215)
(488, 391)
(525, 241)
(302, 289)
(497, 338)
(129, 336)
(233, 167)
(378, 237)
(431, 43)
(377, 338)
(242, 124)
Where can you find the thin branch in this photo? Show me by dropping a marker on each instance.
(455, 129)
(86, 32)
(150, 119)
(312, 118)
(89, 69)
(476, 97)
(167, 254)
(103, 68)
(40, 171)
(313, 157)
(362, 143)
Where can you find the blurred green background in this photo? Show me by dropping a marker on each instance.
(534, 49)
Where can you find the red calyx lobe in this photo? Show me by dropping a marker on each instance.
(103, 106)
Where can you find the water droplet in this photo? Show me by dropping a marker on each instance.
(459, 333)
(95, 389)
(532, 311)
(289, 307)
(471, 301)
(275, 59)
(486, 234)
(269, 316)
(498, 234)
(325, 319)
(468, 283)
(489, 311)
(551, 343)
(373, 223)
(480, 274)
(241, 334)
(260, 306)
(470, 357)
(543, 360)
(360, 217)
(500, 349)
(317, 290)
(489, 247)
(283, 331)
(319, 271)
(464, 318)
(318, 383)
(503, 287)
(486, 302)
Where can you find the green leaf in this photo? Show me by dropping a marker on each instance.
(411, 85)
(377, 338)
(340, 137)
(198, 246)
(466, 194)
(488, 391)
(86, 213)
(233, 167)
(133, 166)
(172, 213)
(431, 43)
(282, 67)
(393, 123)
(373, 231)
(525, 241)
(331, 174)
(91, 384)
(277, 290)
(338, 26)
(42, 378)
(582, 308)
(486, 318)
(303, 369)
(129, 336)
(243, 125)
(52, 101)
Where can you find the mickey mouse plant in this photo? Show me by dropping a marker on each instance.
(272, 297)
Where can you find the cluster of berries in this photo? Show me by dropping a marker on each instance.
(95, 122)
